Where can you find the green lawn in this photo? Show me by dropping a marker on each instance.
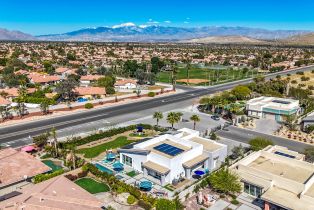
(97, 150)
(225, 75)
(92, 186)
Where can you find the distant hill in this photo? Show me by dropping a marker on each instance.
(130, 32)
(304, 39)
(14, 35)
(225, 40)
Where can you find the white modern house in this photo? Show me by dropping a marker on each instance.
(173, 156)
(272, 107)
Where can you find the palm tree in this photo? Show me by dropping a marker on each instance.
(188, 68)
(195, 118)
(44, 106)
(72, 149)
(174, 76)
(53, 134)
(173, 117)
(158, 116)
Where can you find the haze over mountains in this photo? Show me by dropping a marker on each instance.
(129, 32)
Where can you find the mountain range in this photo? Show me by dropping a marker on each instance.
(130, 32)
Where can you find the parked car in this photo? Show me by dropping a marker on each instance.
(215, 117)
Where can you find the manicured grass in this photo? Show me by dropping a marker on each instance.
(131, 174)
(225, 75)
(137, 135)
(169, 187)
(92, 186)
(52, 165)
(97, 150)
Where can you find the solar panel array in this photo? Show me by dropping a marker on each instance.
(168, 149)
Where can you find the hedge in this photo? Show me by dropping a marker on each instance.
(43, 177)
(106, 134)
(89, 106)
(151, 94)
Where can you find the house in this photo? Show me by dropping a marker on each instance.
(308, 120)
(14, 92)
(278, 176)
(18, 166)
(87, 79)
(125, 84)
(272, 107)
(169, 157)
(56, 193)
(90, 92)
(36, 78)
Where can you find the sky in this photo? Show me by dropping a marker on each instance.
(38, 17)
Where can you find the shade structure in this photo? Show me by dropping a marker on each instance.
(111, 156)
(199, 172)
(117, 166)
(146, 185)
(28, 148)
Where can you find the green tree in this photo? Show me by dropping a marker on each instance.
(53, 134)
(21, 99)
(108, 83)
(225, 181)
(241, 92)
(174, 73)
(66, 88)
(158, 116)
(259, 143)
(173, 117)
(165, 204)
(41, 140)
(44, 106)
(195, 118)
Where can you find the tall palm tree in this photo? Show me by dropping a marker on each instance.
(72, 149)
(172, 118)
(158, 116)
(174, 76)
(188, 68)
(195, 118)
(53, 134)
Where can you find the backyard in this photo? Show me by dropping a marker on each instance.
(93, 152)
(92, 186)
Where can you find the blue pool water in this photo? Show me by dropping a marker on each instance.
(103, 168)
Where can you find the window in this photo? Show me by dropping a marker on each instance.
(252, 190)
(127, 160)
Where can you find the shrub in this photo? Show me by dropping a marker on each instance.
(151, 94)
(304, 78)
(300, 73)
(213, 136)
(311, 87)
(313, 71)
(163, 204)
(89, 106)
(131, 199)
(259, 143)
(145, 205)
(82, 174)
(43, 177)
(294, 82)
(71, 177)
(235, 202)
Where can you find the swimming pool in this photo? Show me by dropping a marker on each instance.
(103, 168)
(52, 165)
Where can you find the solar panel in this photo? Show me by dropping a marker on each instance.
(168, 149)
(285, 155)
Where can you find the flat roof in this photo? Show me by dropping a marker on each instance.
(280, 168)
(169, 142)
(16, 165)
(310, 191)
(208, 145)
(156, 167)
(195, 161)
(286, 199)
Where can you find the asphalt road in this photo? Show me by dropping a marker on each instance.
(245, 135)
(20, 131)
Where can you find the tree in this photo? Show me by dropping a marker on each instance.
(173, 117)
(21, 99)
(158, 116)
(165, 204)
(259, 143)
(72, 149)
(44, 106)
(174, 76)
(66, 89)
(108, 83)
(195, 118)
(238, 151)
(41, 140)
(225, 181)
(309, 129)
(309, 154)
(241, 92)
(130, 67)
(188, 68)
(53, 134)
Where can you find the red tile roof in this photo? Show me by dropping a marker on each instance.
(4, 102)
(91, 77)
(124, 82)
(14, 92)
(38, 78)
(81, 91)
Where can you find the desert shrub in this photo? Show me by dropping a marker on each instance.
(235, 202)
(82, 174)
(259, 143)
(151, 94)
(131, 199)
(71, 177)
(294, 82)
(300, 73)
(89, 106)
(304, 78)
(145, 205)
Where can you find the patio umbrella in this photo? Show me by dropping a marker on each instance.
(117, 166)
(28, 148)
(146, 185)
(111, 156)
